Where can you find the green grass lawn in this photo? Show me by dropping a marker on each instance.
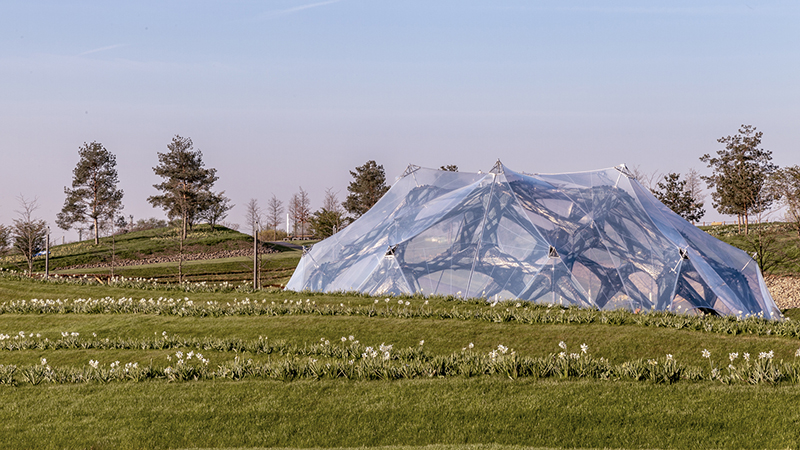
(437, 408)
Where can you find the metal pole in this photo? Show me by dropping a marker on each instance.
(47, 255)
(255, 255)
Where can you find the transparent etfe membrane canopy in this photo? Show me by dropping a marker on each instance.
(593, 239)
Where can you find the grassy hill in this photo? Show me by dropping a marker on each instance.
(159, 248)
(776, 245)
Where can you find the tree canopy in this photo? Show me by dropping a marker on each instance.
(28, 233)
(672, 192)
(740, 173)
(367, 187)
(187, 183)
(94, 195)
(785, 185)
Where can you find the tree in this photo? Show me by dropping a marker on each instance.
(274, 215)
(646, 179)
(300, 211)
(329, 219)
(187, 184)
(5, 236)
(740, 173)
(94, 194)
(28, 233)
(785, 185)
(214, 208)
(367, 187)
(253, 217)
(694, 185)
(449, 168)
(672, 192)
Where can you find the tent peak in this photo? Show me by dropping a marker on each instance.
(498, 167)
(623, 169)
(409, 170)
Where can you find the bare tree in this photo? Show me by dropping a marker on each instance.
(300, 211)
(694, 186)
(646, 179)
(253, 216)
(785, 186)
(28, 233)
(274, 215)
(5, 236)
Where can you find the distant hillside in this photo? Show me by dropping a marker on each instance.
(148, 244)
(777, 243)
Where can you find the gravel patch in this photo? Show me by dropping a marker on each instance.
(785, 291)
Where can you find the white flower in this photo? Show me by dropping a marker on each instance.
(422, 342)
(44, 361)
(408, 303)
(426, 302)
(471, 345)
(502, 348)
(376, 301)
(706, 353)
(386, 300)
(344, 339)
(584, 348)
(179, 354)
(94, 363)
(746, 356)
(562, 355)
(733, 356)
(399, 302)
(386, 356)
(518, 305)
(669, 357)
(563, 345)
(797, 353)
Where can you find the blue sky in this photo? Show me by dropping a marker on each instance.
(282, 94)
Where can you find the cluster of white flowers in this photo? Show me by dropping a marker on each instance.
(20, 335)
(500, 350)
(369, 352)
(69, 334)
(94, 364)
(733, 356)
(766, 355)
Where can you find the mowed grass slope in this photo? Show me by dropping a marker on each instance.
(158, 242)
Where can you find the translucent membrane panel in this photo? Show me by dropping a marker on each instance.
(554, 284)
(692, 290)
(386, 279)
(439, 260)
(507, 243)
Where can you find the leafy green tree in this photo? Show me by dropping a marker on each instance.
(740, 173)
(367, 187)
(785, 185)
(94, 195)
(449, 168)
(27, 232)
(187, 183)
(672, 192)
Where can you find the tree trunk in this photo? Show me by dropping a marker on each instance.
(255, 257)
(746, 223)
(96, 232)
(180, 261)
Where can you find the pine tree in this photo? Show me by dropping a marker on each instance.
(672, 192)
(367, 187)
(187, 184)
(740, 173)
(94, 195)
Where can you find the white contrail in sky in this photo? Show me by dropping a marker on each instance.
(101, 49)
(297, 8)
